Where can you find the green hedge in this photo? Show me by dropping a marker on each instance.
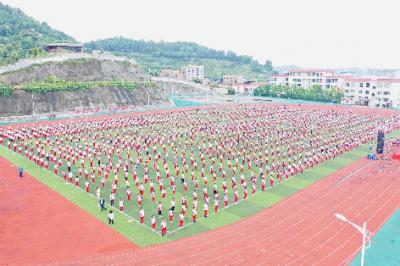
(5, 90)
(314, 93)
(56, 85)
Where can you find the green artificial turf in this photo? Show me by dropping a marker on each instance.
(144, 236)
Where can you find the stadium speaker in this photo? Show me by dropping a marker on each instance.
(380, 142)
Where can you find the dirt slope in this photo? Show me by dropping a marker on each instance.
(20, 103)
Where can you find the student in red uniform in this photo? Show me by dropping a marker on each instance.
(205, 209)
(225, 199)
(236, 196)
(194, 214)
(181, 219)
(153, 222)
(141, 215)
(263, 185)
(171, 215)
(216, 204)
(163, 227)
(87, 186)
(128, 193)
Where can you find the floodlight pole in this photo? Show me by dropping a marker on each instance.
(362, 229)
(364, 233)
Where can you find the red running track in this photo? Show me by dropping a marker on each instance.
(39, 225)
(300, 230)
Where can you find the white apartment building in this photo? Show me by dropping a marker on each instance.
(192, 72)
(376, 92)
(308, 77)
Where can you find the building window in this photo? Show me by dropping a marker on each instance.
(361, 85)
(347, 84)
(373, 94)
(360, 91)
(366, 92)
(367, 85)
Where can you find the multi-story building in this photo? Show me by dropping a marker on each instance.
(376, 92)
(308, 77)
(229, 80)
(189, 73)
(192, 72)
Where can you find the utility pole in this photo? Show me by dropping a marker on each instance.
(33, 106)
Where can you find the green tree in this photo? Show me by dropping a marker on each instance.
(231, 91)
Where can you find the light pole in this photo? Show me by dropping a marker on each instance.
(362, 229)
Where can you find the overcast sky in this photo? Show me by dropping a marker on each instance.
(308, 33)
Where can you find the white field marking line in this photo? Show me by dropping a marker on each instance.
(230, 205)
(149, 249)
(206, 254)
(331, 190)
(293, 225)
(263, 263)
(155, 246)
(91, 195)
(343, 227)
(340, 181)
(373, 234)
(284, 180)
(333, 221)
(333, 236)
(352, 256)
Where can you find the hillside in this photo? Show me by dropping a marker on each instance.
(158, 55)
(82, 83)
(22, 36)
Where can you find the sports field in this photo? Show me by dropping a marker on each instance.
(247, 157)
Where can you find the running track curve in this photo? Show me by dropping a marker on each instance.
(300, 230)
(39, 225)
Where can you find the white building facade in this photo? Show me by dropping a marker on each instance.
(308, 77)
(379, 92)
(192, 72)
(376, 92)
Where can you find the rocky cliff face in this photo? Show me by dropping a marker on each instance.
(20, 103)
(85, 69)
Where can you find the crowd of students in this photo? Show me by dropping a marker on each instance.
(206, 158)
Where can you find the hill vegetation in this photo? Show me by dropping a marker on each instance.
(155, 56)
(22, 36)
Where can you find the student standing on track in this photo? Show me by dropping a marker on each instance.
(20, 171)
